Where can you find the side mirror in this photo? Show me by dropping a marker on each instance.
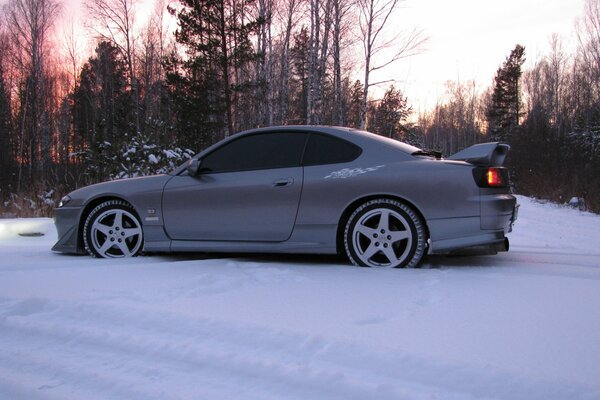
(193, 166)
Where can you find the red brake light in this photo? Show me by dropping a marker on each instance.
(491, 177)
(494, 177)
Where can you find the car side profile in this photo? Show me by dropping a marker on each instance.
(301, 189)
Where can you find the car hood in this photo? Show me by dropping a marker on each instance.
(123, 188)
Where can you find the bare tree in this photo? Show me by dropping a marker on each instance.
(341, 9)
(72, 48)
(29, 23)
(588, 35)
(588, 32)
(314, 42)
(114, 21)
(150, 53)
(320, 29)
(557, 65)
(5, 116)
(456, 121)
(323, 55)
(373, 18)
(265, 62)
(289, 12)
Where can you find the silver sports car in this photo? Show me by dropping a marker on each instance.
(299, 189)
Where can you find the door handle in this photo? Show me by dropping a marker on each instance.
(283, 182)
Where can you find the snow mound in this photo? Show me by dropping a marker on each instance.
(13, 229)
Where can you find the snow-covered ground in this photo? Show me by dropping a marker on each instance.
(519, 325)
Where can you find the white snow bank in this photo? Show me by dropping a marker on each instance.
(519, 325)
(15, 229)
(551, 227)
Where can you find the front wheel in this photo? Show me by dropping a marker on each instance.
(385, 233)
(112, 230)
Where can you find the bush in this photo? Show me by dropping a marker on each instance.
(34, 203)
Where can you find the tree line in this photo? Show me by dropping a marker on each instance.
(548, 113)
(148, 97)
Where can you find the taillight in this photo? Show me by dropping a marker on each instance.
(491, 177)
(494, 177)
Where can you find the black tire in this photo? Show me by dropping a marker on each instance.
(113, 230)
(385, 233)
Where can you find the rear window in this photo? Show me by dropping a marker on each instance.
(405, 147)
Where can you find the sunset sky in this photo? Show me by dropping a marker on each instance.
(469, 39)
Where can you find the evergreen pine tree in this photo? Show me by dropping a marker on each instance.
(217, 38)
(355, 104)
(141, 156)
(103, 108)
(300, 57)
(504, 110)
(390, 114)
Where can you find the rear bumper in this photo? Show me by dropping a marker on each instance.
(482, 239)
(499, 213)
(515, 215)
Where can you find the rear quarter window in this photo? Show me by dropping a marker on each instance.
(324, 149)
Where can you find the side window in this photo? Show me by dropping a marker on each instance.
(325, 149)
(260, 151)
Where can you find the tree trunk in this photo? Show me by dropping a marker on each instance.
(225, 68)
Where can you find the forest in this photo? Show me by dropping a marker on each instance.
(147, 97)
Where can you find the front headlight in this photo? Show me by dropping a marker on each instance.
(64, 201)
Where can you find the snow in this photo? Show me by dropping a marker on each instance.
(152, 159)
(519, 325)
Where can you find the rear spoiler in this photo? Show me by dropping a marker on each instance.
(484, 154)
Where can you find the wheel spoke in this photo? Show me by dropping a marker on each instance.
(129, 232)
(399, 235)
(105, 247)
(384, 221)
(365, 230)
(370, 251)
(390, 255)
(124, 248)
(101, 228)
(118, 222)
(405, 252)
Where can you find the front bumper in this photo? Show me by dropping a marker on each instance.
(66, 220)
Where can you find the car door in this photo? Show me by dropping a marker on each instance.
(246, 190)
(328, 162)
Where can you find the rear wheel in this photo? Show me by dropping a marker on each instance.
(112, 230)
(385, 233)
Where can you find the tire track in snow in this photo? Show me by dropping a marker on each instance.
(211, 365)
(581, 266)
(203, 356)
(29, 376)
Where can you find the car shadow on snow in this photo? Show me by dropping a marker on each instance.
(428, 262)
(460, 261)
(305, 259)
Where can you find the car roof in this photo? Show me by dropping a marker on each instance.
(354, 135)
(364, 139)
